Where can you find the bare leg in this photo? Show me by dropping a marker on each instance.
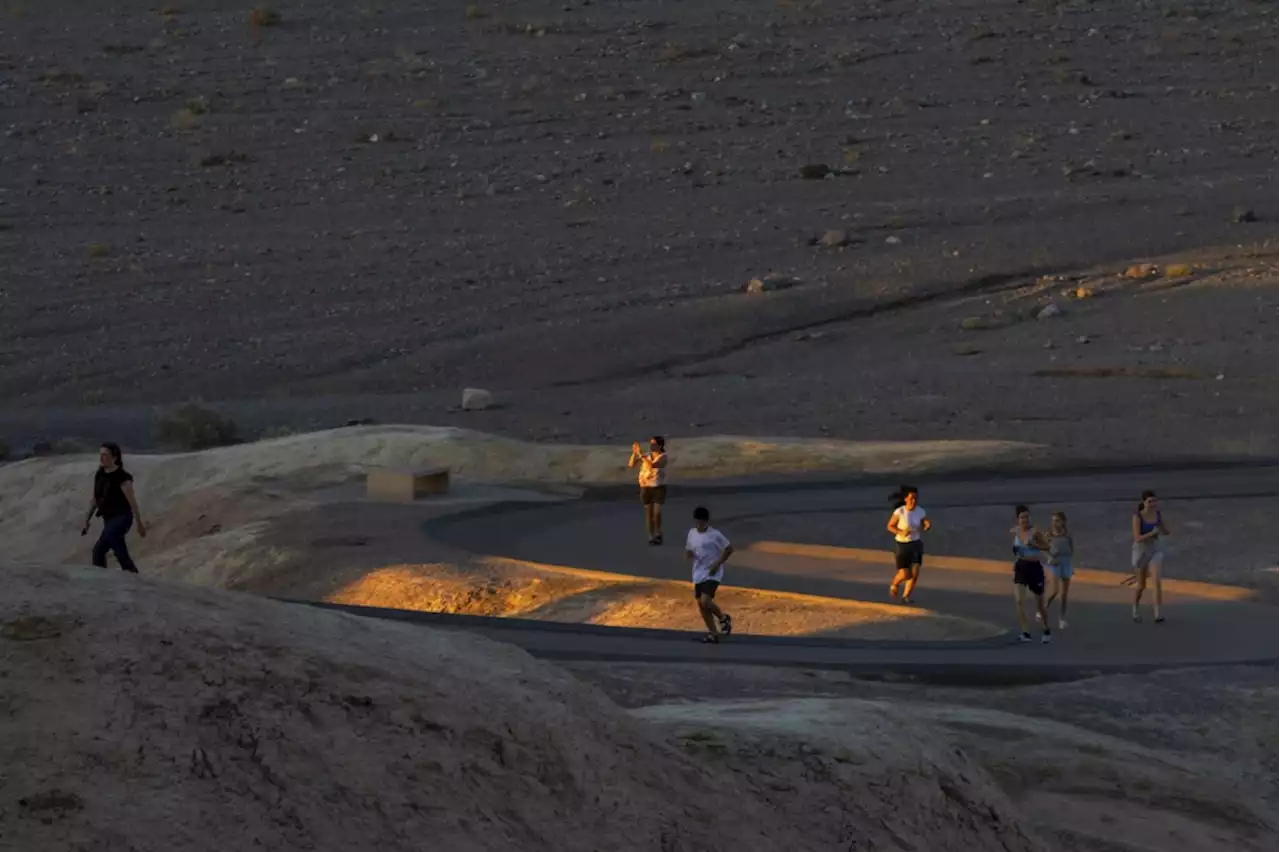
(1056, 586)
(1043, 610)
(708, 616)
(1138, 588)
(657, 520)
(912, 576)
(1018, 593)
(1156, 565)
(648, 519)
(1066, 590)
(897, 581)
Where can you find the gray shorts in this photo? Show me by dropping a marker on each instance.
(1146, 553)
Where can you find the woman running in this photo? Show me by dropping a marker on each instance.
(906, 524)
(1029, 547)
(1062, 548)
(1149, 531)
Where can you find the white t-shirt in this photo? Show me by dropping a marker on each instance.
(706, 548)
(650, 476)
(909, 523)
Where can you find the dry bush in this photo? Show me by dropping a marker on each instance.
(193, 427)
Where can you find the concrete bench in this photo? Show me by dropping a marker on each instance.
(405, 486)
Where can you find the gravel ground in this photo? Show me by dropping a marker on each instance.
(366, 207)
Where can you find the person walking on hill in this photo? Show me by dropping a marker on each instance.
(906, 524)
(1029, 547)
(708, 550)
(1149, 530)
(653, 484)
(115, 502)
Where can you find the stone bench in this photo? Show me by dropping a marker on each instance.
(405, 486)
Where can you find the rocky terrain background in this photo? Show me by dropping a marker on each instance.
(320, 212)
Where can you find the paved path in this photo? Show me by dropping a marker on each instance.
(1207, 624)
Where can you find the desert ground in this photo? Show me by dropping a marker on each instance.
(990, 235)
(310, 729)
(359, 209)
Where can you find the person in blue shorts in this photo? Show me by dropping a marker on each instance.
(1062, 548)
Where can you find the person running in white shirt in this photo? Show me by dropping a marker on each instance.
(708, 550)
(907, 523)
(653, 484)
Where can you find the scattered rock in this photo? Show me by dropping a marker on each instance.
(98, 250)
(815, 171)
(1177, 270)
(1083, 339)
(811, 335)
(360, 421)
(1141, 271)
(1049, 311)
(1081, 293)
(893, 241)
(835, 238)
(773, 281)
(986, 323)
(476, 399)
(1049, 344)
(1241, 215)
(1156, 347)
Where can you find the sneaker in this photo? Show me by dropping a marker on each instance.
(1062, 624)
(726, 624)
(1025, 637)
(1046, 638)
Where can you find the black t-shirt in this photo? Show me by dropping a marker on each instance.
(108, 491)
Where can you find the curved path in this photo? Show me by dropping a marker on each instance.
(1207, 624)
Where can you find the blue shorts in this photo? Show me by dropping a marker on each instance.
(1061, 569)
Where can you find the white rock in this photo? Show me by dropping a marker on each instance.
(1049, 311)
(476, 399)
(893, 241)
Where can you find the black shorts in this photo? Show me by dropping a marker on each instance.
(1029, 573)
(706, 587)
(909, 553)
(654, 496)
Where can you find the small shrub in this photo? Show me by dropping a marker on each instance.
(193, 427)
(184, 120)
(198, 105)
(475, 13)
(263, 16)
(97, 250)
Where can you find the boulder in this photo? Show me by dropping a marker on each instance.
(476, 399)
(773, 281)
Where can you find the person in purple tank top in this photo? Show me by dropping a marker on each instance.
(1149, 532)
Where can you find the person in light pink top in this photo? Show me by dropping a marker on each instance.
(653, 484)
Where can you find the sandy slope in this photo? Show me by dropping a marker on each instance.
(42, 501)
(509, 588)
(140, 715)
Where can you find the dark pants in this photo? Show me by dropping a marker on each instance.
(113, 532)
